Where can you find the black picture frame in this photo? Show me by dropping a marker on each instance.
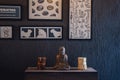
(40, 10)
(80, 20)
(6, 32)
(41, 32)
(10, 12)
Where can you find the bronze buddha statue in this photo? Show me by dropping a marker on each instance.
(62, 60)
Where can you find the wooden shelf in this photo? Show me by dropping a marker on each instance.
(32, 73)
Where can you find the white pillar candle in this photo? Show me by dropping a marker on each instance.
(82, 63)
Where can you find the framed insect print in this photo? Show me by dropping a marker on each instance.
(45, 9)
(80, 19)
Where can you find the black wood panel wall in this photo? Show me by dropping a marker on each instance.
(102, 51)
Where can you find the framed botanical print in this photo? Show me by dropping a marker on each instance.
(5, 32)
(45, 9)
(80, 19)
(40, 32)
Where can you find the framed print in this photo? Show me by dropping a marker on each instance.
(41, 32)
(10, 12)
(45, 9)
(80, 19)
(5, 32)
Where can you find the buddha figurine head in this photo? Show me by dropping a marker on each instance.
(62, 50)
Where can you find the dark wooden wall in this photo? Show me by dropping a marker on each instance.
(102, 51)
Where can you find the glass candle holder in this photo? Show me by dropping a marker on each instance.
(41, 63)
